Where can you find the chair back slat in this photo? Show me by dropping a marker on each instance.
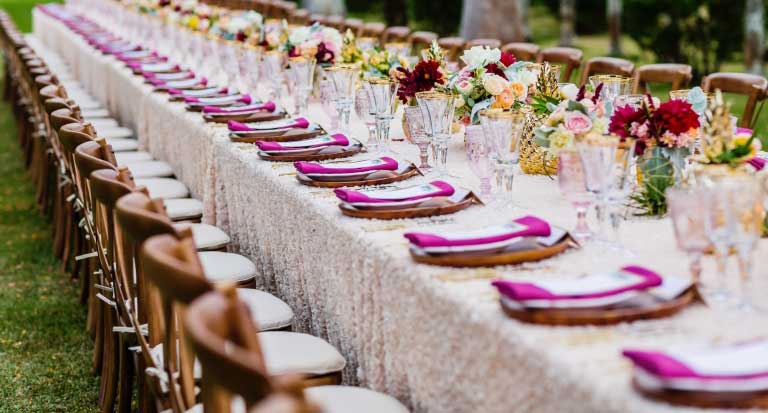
(754, 87)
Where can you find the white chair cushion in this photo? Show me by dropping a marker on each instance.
(104, 123)
(164, 188)
(118, 132)
(299, 353)
(268, 311)
(133, 156)
(207, 237)
(348, 399)
(89, 114)
(123, 145)
(184, 208)
(150, 169)
(88, 104)
(226, 266)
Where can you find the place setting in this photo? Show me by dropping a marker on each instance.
(247, 112)
(282, 130)
(196, 104)
(338, 174)
(207, 91)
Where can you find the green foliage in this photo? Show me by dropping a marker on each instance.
(442, 17)
(701, 33)
(657, 175)
(590, 15)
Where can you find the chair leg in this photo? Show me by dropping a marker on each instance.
(108, 386)
(99, 338)
(125, 392)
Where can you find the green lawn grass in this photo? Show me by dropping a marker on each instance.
(44, 350)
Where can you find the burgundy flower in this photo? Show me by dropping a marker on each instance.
(422, 78)
(495, 69)
(622, 119)
(676, 116)
(240, 37)
(598, 90)
(324, 55)
(293, 52)
(507, 59)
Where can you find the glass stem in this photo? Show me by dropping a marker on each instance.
(582, 227)
(485, 186)
(372, 138)
(382, 132)
(695, 267)
(424, 155)
(721, 258)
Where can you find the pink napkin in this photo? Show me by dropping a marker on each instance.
(300, 123)
(338, 140)
(266, 106)
(181, 92)
(534, 227)
(744, 131)
(243, 99)
(316, 168)
(757, 163)
(348, 195)
(160, 82)
(524, 291)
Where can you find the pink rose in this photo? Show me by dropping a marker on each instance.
(577, 122)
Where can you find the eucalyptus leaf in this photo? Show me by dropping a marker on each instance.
(478, 107)
(697, 99)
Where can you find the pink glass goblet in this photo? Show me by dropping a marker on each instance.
(573, 186)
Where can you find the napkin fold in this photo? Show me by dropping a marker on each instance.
(525, 291)
(299, 123)
(527, 226)
(181, 91)
(348, 195)
(160, 82)
(266, 106)
(757, 163)
(304, 167)
(338, 140)
(242, 98)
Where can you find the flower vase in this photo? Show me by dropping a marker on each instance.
(534, 160)
(658, 169)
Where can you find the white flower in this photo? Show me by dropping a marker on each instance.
(480, 56)
(494, 83)
(332, 39)
(458, 102)
(529, 77)
(600, 125)
(569, 91)
(299, 35)
(237, 24)
(464, 86)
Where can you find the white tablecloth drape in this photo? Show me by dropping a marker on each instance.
(433, 337)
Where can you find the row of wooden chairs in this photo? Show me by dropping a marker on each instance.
(137, 294)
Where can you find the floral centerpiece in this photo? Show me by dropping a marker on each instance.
(489, 79)
(350, 52)
(569, 122)
(239, 26)
(664, 134)
(428, 74)
(316, 41)
(379, 63)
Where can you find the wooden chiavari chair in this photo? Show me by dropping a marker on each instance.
(607, 66)
(677, 75)
(523, 51)
(754, 87)
(395, 34)
(490, 43)
(453, 47)
(355, 25)
(421, 40)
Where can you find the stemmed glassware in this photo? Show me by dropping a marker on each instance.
(719, 229)
(573, 186)
(364, 112)
(273, 68)
(418, 134)
(437, 110)
(479, 157)
(302, 73)
(688, 209)
(597, 159)
(328, 101)
(249, 64)
(382, 96)
(344, 78)
(748, 214)
(620, 187)
(503, 129)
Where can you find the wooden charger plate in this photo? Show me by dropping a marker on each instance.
(429, 208)
(493, 259)
(322, 154)
(284, 135)
(249, 117)
(641, 308)
(374, 178)
(708, 400)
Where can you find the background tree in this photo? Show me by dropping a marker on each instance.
(613, 11)
(395, 12)
(754, 36)
(498, 19)
(567, 22)
(328, 7)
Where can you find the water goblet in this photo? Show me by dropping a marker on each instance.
(302, 74)
(687, 208)
(633, 101)
(344, 78)
(382, 96)
(620, 185)
(249, 64)
(273, 68)
(364, 112)
(598, 158)
(503, 129)
(328, 102)
(437, 110)
(719, 228)
(479, 158)
(418, 134)
(748, 214)
(573, 186)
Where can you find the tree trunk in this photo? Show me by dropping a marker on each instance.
(496, 19)
(394, 12)
(567, 22)
(754, 36)
(326, 7)
(614, 25)
(525, 6)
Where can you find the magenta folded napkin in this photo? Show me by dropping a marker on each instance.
(181, 92)
(347, 195)
(527, 226)
(386, 164)
(266, 106)
(234, 126)
(140, 65)
(525, 291)
(168, 77)
(160, 82)
(242, 98)
(757, 163)
(338, 140)
(667, 366)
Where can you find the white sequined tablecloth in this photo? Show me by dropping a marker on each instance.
(433, 337)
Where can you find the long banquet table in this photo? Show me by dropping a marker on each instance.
(433, 337)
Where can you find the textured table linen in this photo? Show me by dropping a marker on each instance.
(433, 337)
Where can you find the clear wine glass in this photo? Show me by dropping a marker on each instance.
(344, 78)
(437, 110)
(597, 159)
(573, 186)
(328, 101)
(620, 185)
(382, 96)
(479, 158)
(273, 69)
(365, 113)
(719, 228)
(748, 214)
(688, 210)
(418, 134)
(302, 71)
(503, 129)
